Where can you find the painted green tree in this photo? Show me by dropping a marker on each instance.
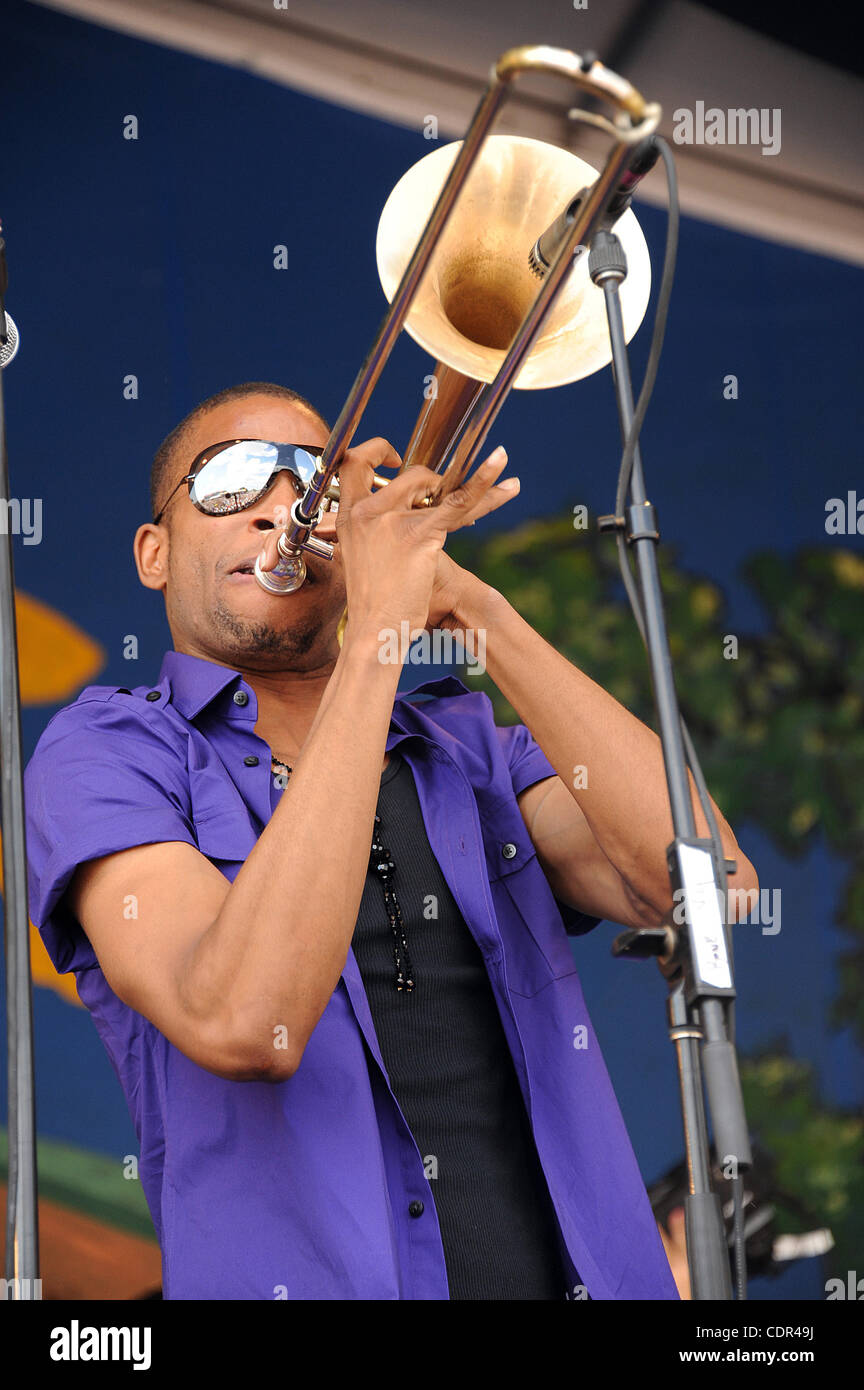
(776, 718)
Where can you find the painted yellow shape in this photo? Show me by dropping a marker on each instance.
(55, 660)
(55, 657)
(42, 971)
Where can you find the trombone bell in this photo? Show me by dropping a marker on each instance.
(479, 283)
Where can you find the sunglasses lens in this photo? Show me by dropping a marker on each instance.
(233, 478)
(237, 476)
(304, 464)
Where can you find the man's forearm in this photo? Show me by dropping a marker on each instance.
(607, 758)
(273, 957)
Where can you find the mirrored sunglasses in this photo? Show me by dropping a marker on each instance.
(230, 476)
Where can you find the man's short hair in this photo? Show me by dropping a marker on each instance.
(163, 465)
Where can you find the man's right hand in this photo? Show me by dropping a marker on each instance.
(388, 545)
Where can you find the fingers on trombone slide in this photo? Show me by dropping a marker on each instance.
(357, 475)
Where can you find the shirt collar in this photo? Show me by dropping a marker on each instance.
(445, 685)
(194, 682)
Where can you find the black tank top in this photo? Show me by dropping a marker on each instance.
(452, 1073)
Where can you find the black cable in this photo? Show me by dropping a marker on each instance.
(738, 1237)
(658, 334)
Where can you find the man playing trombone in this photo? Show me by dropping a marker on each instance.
(322, 927)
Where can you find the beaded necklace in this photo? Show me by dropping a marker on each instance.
(382, 865)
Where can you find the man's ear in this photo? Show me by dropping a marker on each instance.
(150, 548)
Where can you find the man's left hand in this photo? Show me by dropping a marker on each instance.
(458, 597)
(457, 593)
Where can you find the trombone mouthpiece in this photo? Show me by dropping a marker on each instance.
(285, 578)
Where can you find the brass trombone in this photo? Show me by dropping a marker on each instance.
(458, 275)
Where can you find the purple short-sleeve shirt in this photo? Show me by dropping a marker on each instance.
(305, 1189)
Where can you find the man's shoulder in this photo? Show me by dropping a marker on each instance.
(448, 713)
(106, 710)
(98, 694)
(462, 723)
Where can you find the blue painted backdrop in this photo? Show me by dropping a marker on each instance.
(155, 257)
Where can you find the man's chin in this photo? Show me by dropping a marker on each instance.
(273, 624)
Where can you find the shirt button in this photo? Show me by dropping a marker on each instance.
(416, 1208)
(240, 697)
(154, 695)
(509, 850)
(251, 761)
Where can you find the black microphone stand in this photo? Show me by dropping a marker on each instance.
(22, 1238)
(697, 960)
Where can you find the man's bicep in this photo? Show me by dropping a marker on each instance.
(144, 910)
(121, 784)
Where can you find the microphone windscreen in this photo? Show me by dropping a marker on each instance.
(10, 347)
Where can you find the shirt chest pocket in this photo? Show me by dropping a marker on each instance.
(536, 947)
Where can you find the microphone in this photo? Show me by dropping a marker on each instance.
(9, 340)
(546, 247)
(9, 336)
